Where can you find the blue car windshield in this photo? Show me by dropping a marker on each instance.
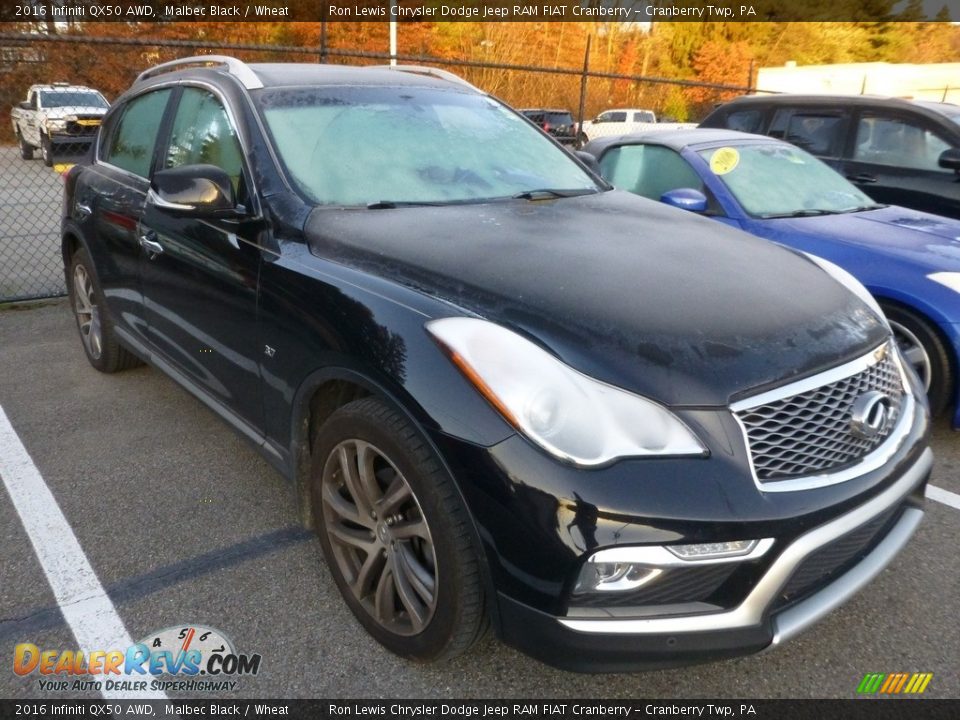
(383, 146)
(774, 180)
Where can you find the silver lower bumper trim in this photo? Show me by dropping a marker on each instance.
(798, 618)
(751, 611)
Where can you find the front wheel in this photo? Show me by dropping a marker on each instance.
(46, 150)
(26, 150)
(395, 533)
(924, 350)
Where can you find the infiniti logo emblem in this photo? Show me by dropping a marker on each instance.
(870, 414)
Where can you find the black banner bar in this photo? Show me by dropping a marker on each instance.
(79, 11)
(528, 709)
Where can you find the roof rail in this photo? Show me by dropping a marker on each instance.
(431, 71)
(237, 68)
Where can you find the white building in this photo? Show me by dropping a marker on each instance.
(936, 81)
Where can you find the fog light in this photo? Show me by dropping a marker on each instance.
(710, 551)
(613, 577)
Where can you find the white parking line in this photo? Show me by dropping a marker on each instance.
(82, 599)
(943, 496)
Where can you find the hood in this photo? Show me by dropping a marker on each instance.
(655, 300)
(924, 239)
(74, 110)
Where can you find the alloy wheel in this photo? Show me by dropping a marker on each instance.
(87, 311)
(379, 537)
(913, 351)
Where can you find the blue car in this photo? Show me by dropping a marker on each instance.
(909, 260)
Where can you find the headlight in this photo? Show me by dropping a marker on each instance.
(55, 124)
(568, 414)
(850, 283)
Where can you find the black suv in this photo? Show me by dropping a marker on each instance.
(899, 152)
(621, 434)
(559, 123)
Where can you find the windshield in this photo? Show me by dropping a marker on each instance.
(350, 146)
(773, 180)
(72, 98)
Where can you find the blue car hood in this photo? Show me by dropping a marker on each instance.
(926, 239)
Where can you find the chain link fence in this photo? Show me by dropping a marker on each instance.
(45, 131)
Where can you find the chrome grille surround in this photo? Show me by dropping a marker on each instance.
(799, 437)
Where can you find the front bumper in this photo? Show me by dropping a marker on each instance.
(762, 620)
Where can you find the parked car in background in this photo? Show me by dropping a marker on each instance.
(559, 123)
(624, 120)
(504, 392)
(58, 118)
(906, 259)
(899, 152)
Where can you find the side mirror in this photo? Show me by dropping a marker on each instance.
(950, 159)
(685, 199)
(25, 105)
(194, 191)
(589, 160)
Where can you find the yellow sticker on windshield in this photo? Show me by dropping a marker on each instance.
(724, 160)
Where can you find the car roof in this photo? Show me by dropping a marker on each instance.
(676, 139)
(292, 74)
(274, 75)
(825, 99)
(544, 110)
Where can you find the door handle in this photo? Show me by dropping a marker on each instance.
(865, 178)
(148, 241)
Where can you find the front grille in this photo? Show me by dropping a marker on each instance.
(84, 126)
(835, 558)
(810, 433)
(676, 585)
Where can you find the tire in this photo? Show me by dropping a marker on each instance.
(926, 353)
(26, 150)
(46, 150)
(100, 343)
(426, 538)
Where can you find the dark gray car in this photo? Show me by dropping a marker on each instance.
(899, 152)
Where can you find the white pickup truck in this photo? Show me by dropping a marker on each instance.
(57, 118)
(624, 121)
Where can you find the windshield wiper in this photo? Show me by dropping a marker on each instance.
(545, 193)
(390, 204)
(806, 212)
(862, 208)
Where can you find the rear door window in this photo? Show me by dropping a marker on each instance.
(616, 116)
(132, 145)
(745, 120)
(819, 133)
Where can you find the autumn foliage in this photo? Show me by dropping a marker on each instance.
(721, 53)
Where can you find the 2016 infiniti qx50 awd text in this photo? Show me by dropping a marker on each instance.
(506, 394)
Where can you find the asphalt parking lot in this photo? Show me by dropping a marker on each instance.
(183, 523)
